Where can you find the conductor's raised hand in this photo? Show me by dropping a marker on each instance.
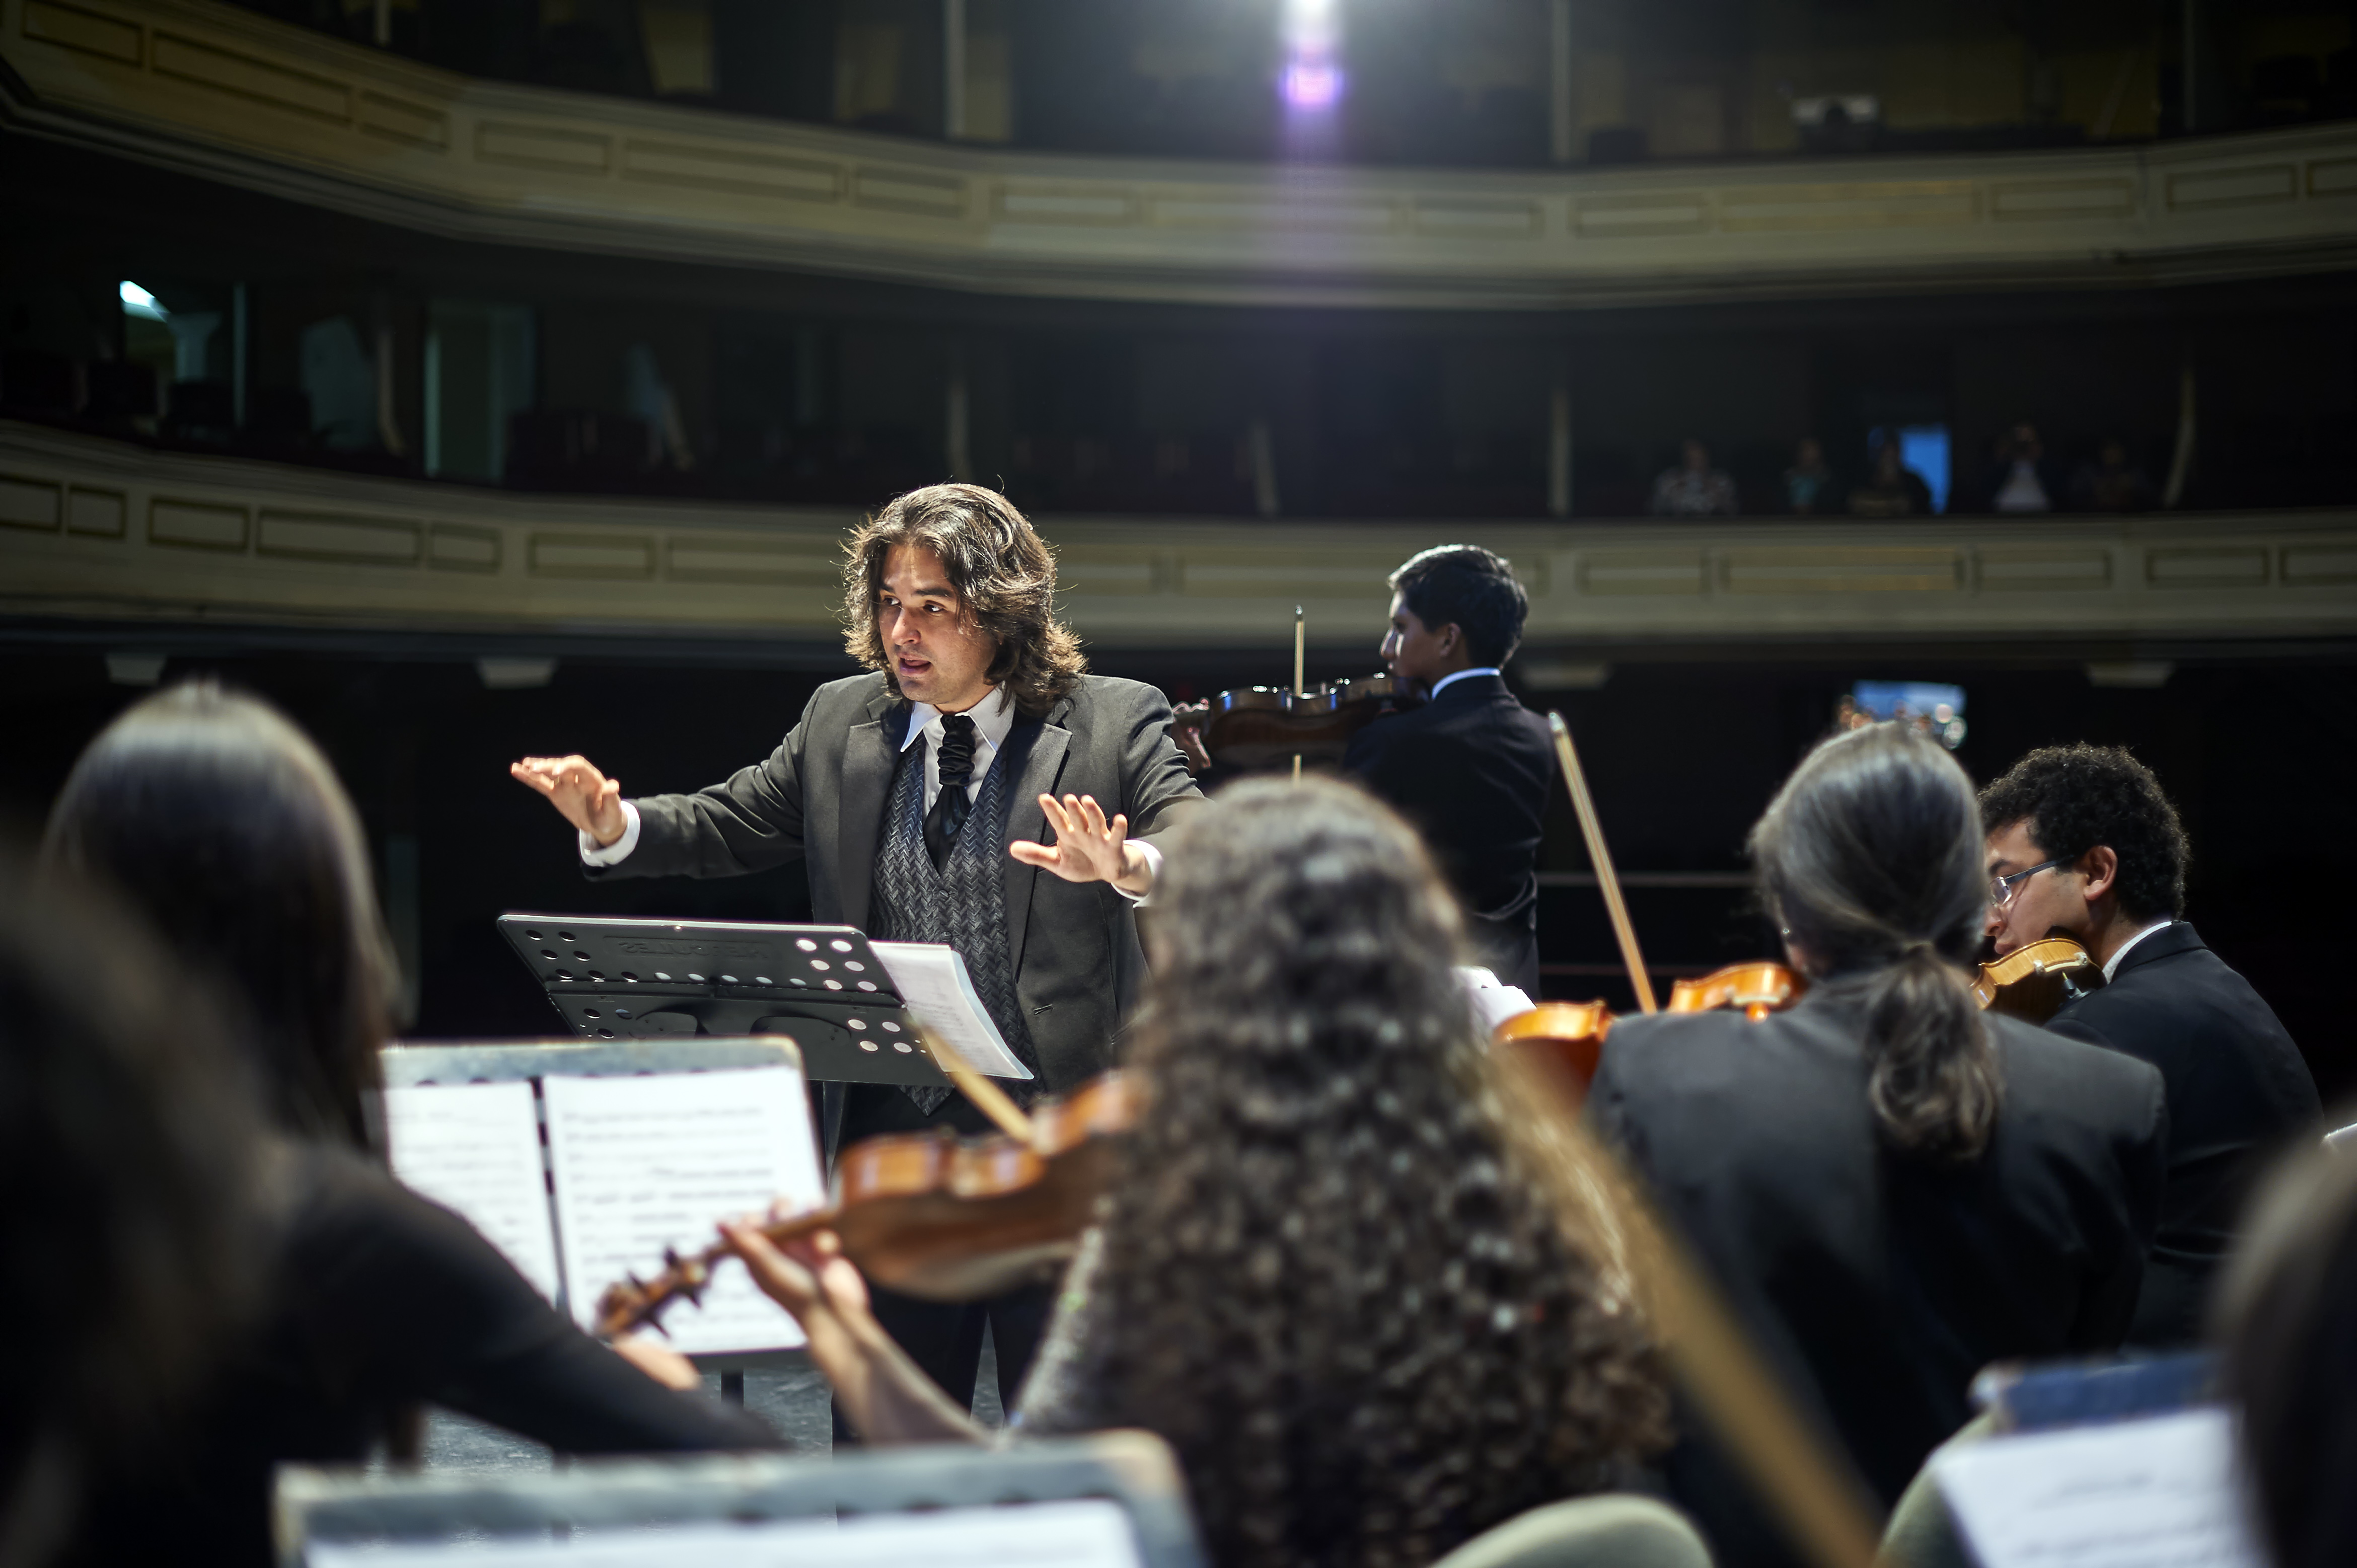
(589, 799)
(1088, 848)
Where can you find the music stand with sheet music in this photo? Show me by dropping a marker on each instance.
(1111, 1500)
(624, 977)
(406, 1066)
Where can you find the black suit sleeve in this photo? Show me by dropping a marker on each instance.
(408, 1297)
(1156, 785)
(753, 822)
(2107, 1310)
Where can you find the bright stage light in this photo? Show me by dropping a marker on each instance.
(137, 301)
(1311, 84)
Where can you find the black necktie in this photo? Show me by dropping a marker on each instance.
(950, 807)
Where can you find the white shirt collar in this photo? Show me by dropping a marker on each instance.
(993, 717)
(2111, 964)
(1447, 680)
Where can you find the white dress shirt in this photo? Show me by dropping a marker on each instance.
(993, 717)
(1447, 680)
(2111, 964)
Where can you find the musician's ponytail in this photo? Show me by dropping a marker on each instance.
(1870, 857)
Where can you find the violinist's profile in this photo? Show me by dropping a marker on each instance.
(1332, 1271)
(2083, 842)
(1470, 767)
(1892, 1188)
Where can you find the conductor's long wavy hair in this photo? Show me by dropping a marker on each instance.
(1005, 575)
(1335, 1279)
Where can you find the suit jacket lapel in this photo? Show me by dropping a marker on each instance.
(870, 755)
(1033, 759)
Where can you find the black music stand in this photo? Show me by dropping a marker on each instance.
(625, 978)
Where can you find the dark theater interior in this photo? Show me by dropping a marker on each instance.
(1950, 398)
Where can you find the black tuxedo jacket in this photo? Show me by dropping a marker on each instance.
(1876, 1285)
(1471, 769)
(2237, 1088)
(819, 798)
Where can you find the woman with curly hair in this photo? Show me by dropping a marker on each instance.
(1331, 1273)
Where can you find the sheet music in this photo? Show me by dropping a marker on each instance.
(2155, 1493)
(1084, 1533)
(937, 991)
(474, 1148)
(646, 1162)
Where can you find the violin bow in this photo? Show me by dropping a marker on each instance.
(987, 1097)
(1601, 859)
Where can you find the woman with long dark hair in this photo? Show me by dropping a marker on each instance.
(1331, 1270)
(225, 827)
(1892, 1188)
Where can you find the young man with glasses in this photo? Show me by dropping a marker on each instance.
(2083, 843)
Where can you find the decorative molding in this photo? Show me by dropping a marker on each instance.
(232, 96)
(221, 542)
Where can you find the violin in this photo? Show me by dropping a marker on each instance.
(2037, 981)
(934, 1215)
(1567, 1037)
(1759, 989)
(1260, 726)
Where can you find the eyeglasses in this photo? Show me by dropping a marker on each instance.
(2001, 887)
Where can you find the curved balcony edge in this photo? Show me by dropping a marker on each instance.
(98, 531)
(213, 91)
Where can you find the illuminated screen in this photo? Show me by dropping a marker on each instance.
(1929, 706)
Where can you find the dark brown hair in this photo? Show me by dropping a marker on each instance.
(1333, 1279)
(1005, 575)
(226, 828)
(2072, 798)
(129, 1152)
(1870, 858)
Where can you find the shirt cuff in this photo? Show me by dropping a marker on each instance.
(1153, 869)
(619, 850)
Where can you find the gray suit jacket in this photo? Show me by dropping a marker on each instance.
(819, 798)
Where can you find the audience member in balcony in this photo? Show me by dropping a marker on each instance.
(1808, 485)
(1693, 488)
(2019, 478)
(2110, 483)
(224, 825)
(1894, 489)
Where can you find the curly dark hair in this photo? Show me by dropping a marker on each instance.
(2072, 798)
(1333, 1279)
(1005, 575)
(1471, 587)
(129, 1157)
(229, 832)
(1870, 858)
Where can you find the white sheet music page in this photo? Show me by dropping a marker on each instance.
(939, 994)
(474, 1148)
(643, 1163)
(2154, 1493)
(1083, 1533)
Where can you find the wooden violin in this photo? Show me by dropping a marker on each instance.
(2037, 980)
(1260, 726)
(934, 1215)
(1566, 1037)
(1759, 989)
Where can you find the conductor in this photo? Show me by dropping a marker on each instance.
(925, 799)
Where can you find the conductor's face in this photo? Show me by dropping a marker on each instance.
(938, 654)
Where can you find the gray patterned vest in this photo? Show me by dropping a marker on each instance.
(962, 904)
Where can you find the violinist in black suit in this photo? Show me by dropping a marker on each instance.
(1472, 766)
(2081, 841)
